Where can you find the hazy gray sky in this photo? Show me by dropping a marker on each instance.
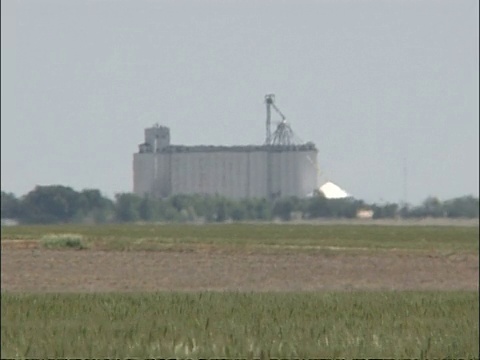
(371, 83)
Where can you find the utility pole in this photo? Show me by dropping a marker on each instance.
(405, 199)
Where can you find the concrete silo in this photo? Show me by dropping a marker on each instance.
(279, 168)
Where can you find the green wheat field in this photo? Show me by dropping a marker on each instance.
(377, 324)
(141, 237)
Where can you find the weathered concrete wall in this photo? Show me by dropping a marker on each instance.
(162, 186)
(143, 173)
(257, 174)
(223, 173)
(157, 137)
(233, 174)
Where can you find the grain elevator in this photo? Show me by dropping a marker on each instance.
(280, 167)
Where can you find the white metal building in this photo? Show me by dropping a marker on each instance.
(266, 171)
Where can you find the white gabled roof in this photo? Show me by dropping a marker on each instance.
(332, 191)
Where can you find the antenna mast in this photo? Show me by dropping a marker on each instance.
(405, 199)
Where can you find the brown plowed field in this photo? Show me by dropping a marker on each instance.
(28, 268)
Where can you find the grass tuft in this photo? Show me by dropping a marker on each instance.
(64, 241)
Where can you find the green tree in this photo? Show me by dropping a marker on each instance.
(262, 210)
(11, 206)
(284, 207)
(462, 207)
(238, 211)
(147, 209)
(433, 207)
(181, 201)
(317, 207)
(127, 207)
(94, 207)
(385, 211)
(51, 204)
(221, 210)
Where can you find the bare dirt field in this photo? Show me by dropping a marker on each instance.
(29, 268)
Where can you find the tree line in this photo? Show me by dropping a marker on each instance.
(61, 204)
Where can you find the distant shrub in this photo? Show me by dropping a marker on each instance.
(62, 241)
